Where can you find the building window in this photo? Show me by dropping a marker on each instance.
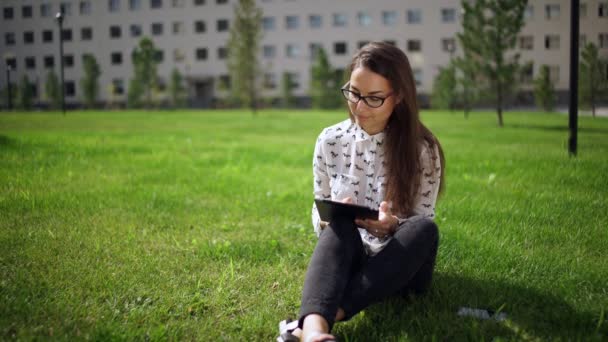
(66, 35)
(115, 32)
(602, 9)
(85, 8)
(201, 54)
(527, 74)
(28, 37)
(339, 20)
(389, 18)
(364, 19)
(199, 26)
(157, 29)
(582, 10)
(9, 38)
(199, 2)
(315, 21)
(159, 56)
(224, 82)
(45, 10)
(86, 33)
(448, 15)
(222, 52)
(221, 2)
(135, 30)
(603, 39)
(414, 45)
(414, 16)
(292, 51)
(552, 11)
(70, 88)
(26, 11)
(8, 13)
(155, 4)
(314, 49)
(526, 42)
(177, 3)
(114, 5)
(30, 63)
(417, 76)
(222, 25)
(552, 42)
(268, 23)
(49, 62)
(269, 51)
(116, 58)
(362, 43)
(66, 8)
(529, 13)
(270, 81)
(68, 61)
(554, 73)
(293, 79)
(291, 22)
(448, 45)
(134, 5)
(118, 86)
(47, 36)
(340, 48)
(178, 55)
(582, 41)
(12, 62)
(178, 28)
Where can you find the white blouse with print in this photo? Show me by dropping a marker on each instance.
(348, 162)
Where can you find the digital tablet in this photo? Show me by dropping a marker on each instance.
(330, 209)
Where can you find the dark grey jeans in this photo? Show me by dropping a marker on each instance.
(341, 275)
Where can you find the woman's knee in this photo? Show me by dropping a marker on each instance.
(422, 229)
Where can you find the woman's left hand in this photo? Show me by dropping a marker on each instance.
(385, 225)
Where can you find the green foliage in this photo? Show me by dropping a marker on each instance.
(544, 90)
(593, 78)
(145, 62)
(195, 225)
(466, 83)
(177, 90)
(287, 86)
(324, 83)
(52, 89)
(25, 94)
(490, 30)
(444, 88)
(90, 80)
(243, 47)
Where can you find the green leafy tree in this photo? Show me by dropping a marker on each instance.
(287, 86)
(134, 93)
(243, 46)
(324, 83)
(90, 81)
(593, 84)
(490, 29)
(145, 63)
(466, 83)
(53, 90)
(176, 89)
(544, 91)
(444, 88)
(25, 94)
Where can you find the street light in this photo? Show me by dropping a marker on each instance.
(59, 18)
(8, 85)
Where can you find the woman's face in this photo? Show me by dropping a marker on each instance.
(365, 82)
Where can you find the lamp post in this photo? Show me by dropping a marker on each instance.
(573, 103)
(59, 18)
(8, 86)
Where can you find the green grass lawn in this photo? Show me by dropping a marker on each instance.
(195, 226)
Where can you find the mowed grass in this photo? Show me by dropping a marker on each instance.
(195, 226)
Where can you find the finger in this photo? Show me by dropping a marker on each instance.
(384, 207)
(347, 200)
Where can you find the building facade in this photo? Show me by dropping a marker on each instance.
(191, 36)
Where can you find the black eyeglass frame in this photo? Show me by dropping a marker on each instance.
(345, 92)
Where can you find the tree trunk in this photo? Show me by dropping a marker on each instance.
(499, 102)
(592, 90)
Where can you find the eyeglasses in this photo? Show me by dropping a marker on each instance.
(370, 101)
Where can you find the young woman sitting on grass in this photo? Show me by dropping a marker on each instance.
(381, 157)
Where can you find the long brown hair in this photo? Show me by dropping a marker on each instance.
(404, 131)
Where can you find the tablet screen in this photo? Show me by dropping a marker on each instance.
(330, 209)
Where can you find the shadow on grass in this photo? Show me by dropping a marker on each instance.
(558, 128)
(6, 141)
(531, 315)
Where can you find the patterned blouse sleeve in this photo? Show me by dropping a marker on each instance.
(320, 181)
(424, 204)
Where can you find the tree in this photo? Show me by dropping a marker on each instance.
(466, 83)
(145, 61)
(324, 83)
(490, 29)
(90, 81)
(134, 93)
(25, 95)
(544, 91)
(593, 82)
(288, 100)
(176, 89)
(243, 46)
(444, 88)
(53, 90)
